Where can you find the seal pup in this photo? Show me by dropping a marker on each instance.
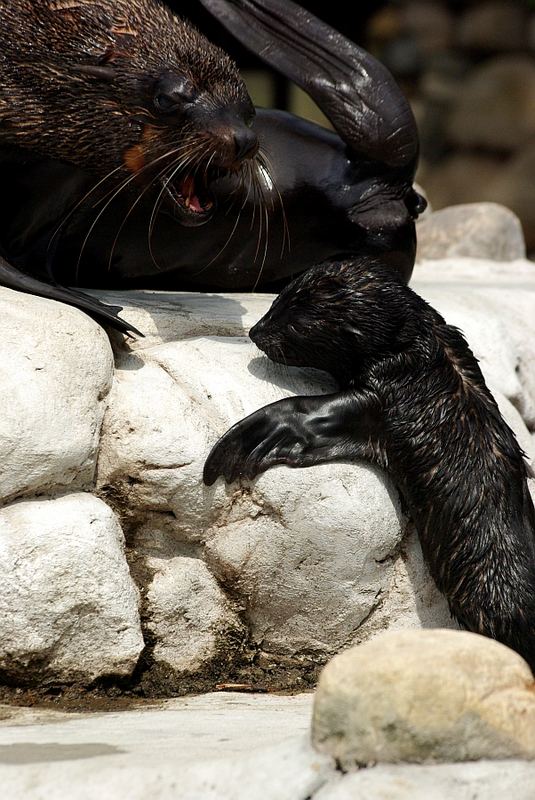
(414, 402)
(307, 195)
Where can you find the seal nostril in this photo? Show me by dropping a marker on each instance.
(245, 143)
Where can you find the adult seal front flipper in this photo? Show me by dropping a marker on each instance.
(297, 432)
(12, 278)
(354, 90)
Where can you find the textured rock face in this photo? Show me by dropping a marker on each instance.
(473, 230)
(56, 368)
(68, 606)
(190, 618)
(425, 696)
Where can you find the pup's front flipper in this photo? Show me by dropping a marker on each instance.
(12, 278)
(298, 432)
(355, 91)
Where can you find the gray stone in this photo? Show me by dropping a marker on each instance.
(191, 620)
(68, 606)
(313, 571)
(423, 696)
(496, 105)
(477, 230)
(56, 368)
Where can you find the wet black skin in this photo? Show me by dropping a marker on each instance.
(413, 401)
(333, 194)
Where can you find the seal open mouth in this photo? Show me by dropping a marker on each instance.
(192, 201)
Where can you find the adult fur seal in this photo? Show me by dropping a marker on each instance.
(127, 72)
(121, 89)
(413, 401)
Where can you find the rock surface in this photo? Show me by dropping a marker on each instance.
(473, 230)
(56, 368)
(217, 747)
(483, 780)
(423, 696)
(68, 606)
(190, 619)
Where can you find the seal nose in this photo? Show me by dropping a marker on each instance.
(254, 333)
(245, 143)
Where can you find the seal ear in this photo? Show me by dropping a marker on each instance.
(357, 93)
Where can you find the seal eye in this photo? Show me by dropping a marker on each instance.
(172, 93)
(165, 104)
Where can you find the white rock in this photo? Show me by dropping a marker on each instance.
(482, 780)
(313, 571)
(422, 696)
(189, 617)
(210, 747)
(412, 599)
(68, 606)
(56, 368)
(478, 230)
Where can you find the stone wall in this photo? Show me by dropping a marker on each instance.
(469, 68)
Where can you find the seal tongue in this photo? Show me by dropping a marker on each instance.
(187, 190)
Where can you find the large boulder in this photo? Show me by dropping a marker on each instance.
(425, 696)
(473, 230)
(68, 606)
(56, 368)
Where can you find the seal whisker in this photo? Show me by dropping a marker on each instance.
(235, 227)
(52, 242)
(183, 162)
(264, 160)
(123, 186)
(138, 200)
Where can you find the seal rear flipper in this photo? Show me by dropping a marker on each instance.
(12, 278)
(296, 432)
(355, 91)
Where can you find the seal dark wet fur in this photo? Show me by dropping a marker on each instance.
(100, 85)
(413, 401)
